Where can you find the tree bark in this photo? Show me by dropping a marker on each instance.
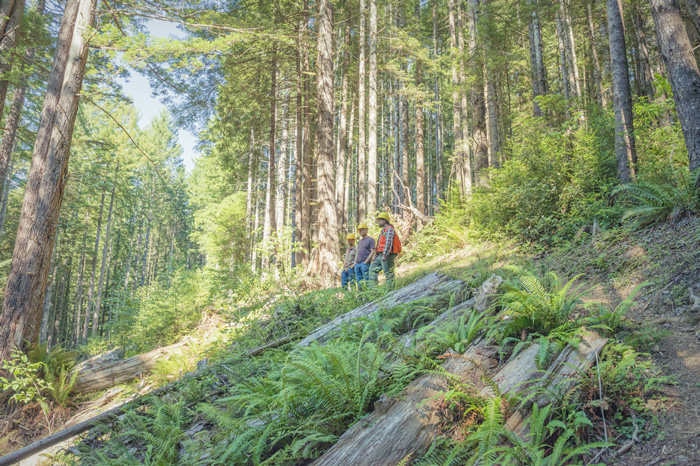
(459, 155)
(539, 75)
(480, 151)
(372, 128)
(625, 151)
(420, 156)
(597, 72)
(328, 251)
(7, 185)
(340, 186)
(644, 76)
(682, 71)
(282, 169)
(24, 295)
(105, 249)
(362, 152)
(571, 47)
(563, 68)
(11, 15)
(271, 191)
(305, 234)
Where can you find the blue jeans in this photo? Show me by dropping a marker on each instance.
(362, 273)
(347, 278)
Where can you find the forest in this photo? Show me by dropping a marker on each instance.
(524, 150)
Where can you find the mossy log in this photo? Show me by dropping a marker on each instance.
(403, 427)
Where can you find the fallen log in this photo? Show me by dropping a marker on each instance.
(480, 302)
(434, 284)
(398, 428)
(560, 377)
(95, 377)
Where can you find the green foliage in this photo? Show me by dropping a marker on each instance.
(26, 383)
(459, 334)
(667, 199)
(536, 306)
(160, 313)
(628, 380)
(57, 370)
(148, 437)
(550, 442)
(615, 318)
(297, 412)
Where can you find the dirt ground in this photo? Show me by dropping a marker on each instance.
(668, 258)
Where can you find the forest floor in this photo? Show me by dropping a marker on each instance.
(667, 258)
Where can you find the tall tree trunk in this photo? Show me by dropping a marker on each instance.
(282, 169)
(458, 145)
(305, 233)
(437, 116)
(340, 186)
(24, 295)
(405, 184)
(598, 73)
(249, 187)
(564, 6)
(105, 250)
(490, 97)
(362, 121)
(147, 242)
(622, 97)
(372, 129)
(11, 15)
(420, 156)
(79, 287)
(46, 313)
(481, 155)
(563, 68)
(539, 74)
(644, 74)
(299, 153)
(328, 251)
(91, 292)
(683, 73)
(271, 192)
(13, 117)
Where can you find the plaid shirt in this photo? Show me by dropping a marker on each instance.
(350, 258)
(389, 241)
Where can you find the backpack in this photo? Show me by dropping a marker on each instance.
(396, 244)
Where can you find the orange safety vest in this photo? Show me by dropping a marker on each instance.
(395, 246)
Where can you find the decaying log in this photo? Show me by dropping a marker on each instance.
(434, 284)
(480, 302)
(560, 377)
(96, 377)
(398, 428)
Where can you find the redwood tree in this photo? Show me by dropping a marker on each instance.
(26, 285)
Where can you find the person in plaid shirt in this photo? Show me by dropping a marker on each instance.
(388, 247)
(347, 276)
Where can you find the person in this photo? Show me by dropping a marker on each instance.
(388, 247)
(347, 276)
(365, 251)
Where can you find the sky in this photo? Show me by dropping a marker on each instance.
(138, 88)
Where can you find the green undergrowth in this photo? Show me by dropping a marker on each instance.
(290, 404)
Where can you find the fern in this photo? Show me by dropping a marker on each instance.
(667, 200)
